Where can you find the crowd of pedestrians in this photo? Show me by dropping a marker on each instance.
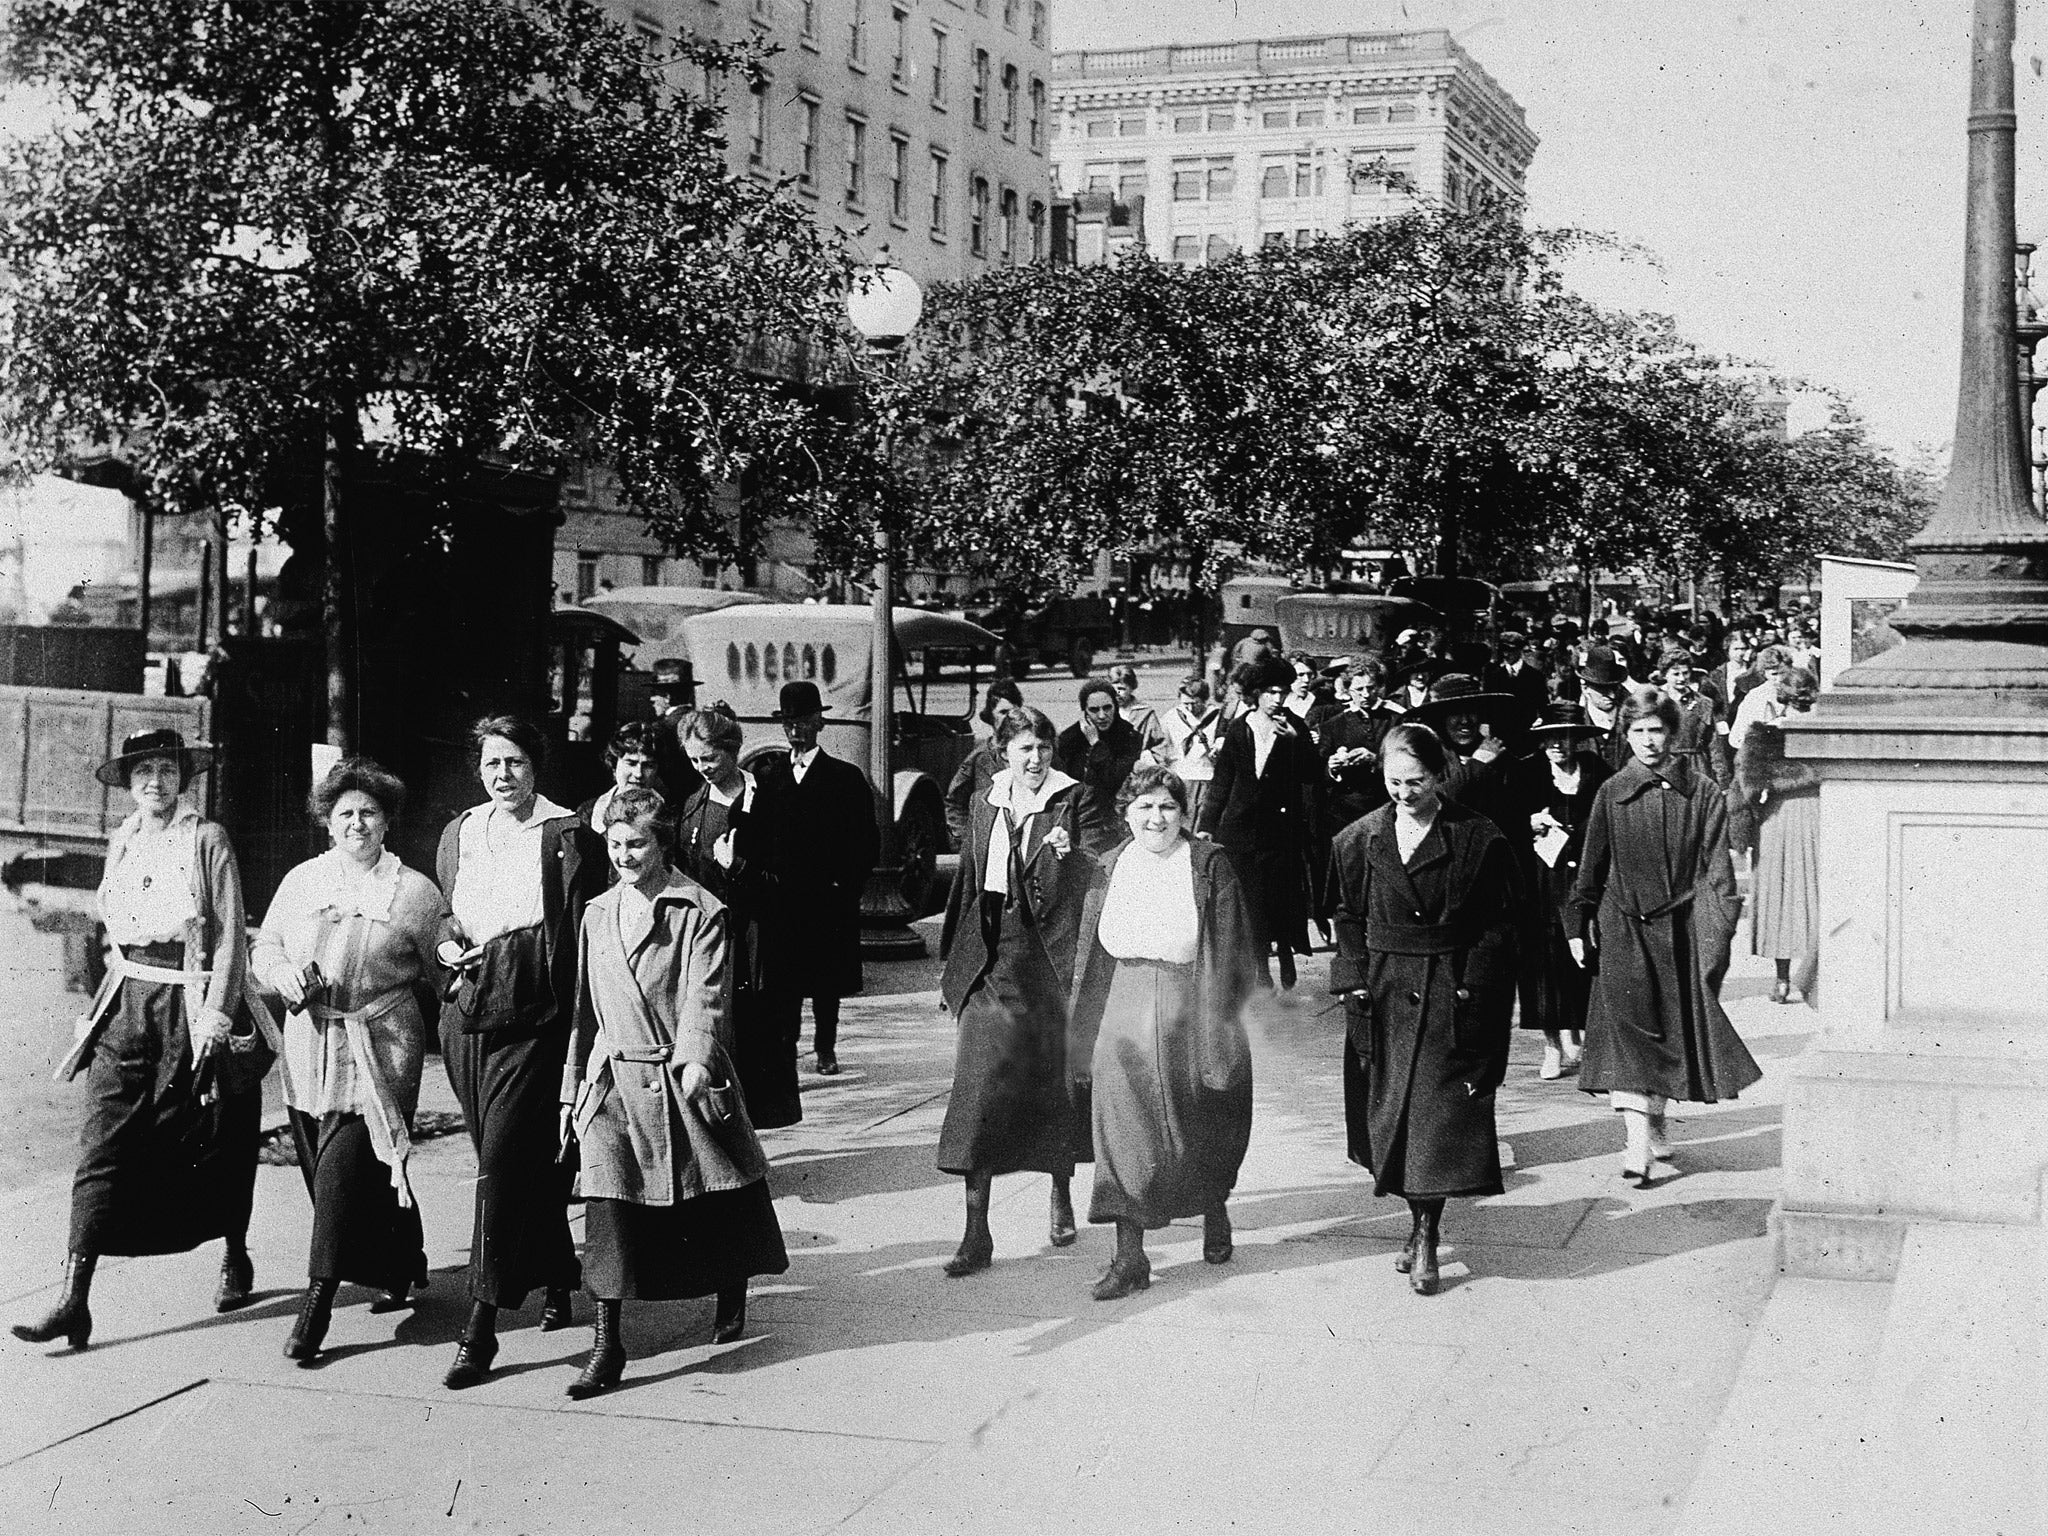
(1542, 829)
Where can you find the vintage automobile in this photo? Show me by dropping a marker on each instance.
(744, 654)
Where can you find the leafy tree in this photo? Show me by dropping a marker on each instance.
(498, 229)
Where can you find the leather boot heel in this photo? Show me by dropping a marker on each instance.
(1121, 1279)
(1218, 1242)
(731, 1319)
(1424, 1277)
(558, 1311)
(237, 1282)
(316, 1311)
(71, 1318)
(479, 1347)
(606, 1362)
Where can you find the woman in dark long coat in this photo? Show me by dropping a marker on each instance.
(1258, 809)
(1426, 929)
(1656, 908)
(719, 845)
(1551, 795)
(517, 871)
(1009, 979)
(674, 1182)
(1167, 966)
(167, 1154)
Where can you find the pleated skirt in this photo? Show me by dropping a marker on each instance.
(1784, 906)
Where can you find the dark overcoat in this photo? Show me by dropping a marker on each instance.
(819, 846)
(1361, 788)
(1656, 900)
(1554, 986)
(1701, 739)
(1200, 1076)
(764, 1050)
(1262, 819)
(1100, 766)
(1426, 963)
(1013, 1105)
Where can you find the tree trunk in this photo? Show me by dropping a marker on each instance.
(338, 590)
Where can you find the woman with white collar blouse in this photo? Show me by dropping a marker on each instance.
(518, 871)
(346, 940)
(1015, 921)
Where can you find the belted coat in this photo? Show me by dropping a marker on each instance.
(651, 999)
(1657, 903)
(1426, 964)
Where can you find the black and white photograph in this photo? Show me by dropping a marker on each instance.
(1008, 767)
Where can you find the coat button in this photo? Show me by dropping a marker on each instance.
(1418, 911)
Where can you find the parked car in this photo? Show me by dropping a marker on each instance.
(744, 654)
(1065, 631)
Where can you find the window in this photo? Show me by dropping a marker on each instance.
(810, 22)
(1006, 225)
(1224, 121)
(1037, 113)
(647, 27)
(1188, 178)
(856, 161)
(1275, 119)
(857, 33)
(938, 66)
(1187, 250)
(1130, 127)
(977, 216)
(1187, 122)
(807, 140)
(938, 195)
(1009, 101)
(1102, 128)
(1304, 237)
(980, 100)
(1130, 181)
(1038, 21)
(899, 43)
(1222, 181)
(1010, 8)
(1274, 180)
(757, 125)
(1219, 247)
(899, 178)
(1036, 219)
(1101, 176)
(1273, 240)
(1196, 181)
(650, 570)
(1312, 118)
(586, 576)
(1368, 115)
(1401, 112)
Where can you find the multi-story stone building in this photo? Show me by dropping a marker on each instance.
(1228, 146)
(922, 126)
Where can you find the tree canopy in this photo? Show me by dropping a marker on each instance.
(492, 229)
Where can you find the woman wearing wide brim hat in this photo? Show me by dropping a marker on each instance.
(1472, 719)
(172, 1059)
(1552, 792)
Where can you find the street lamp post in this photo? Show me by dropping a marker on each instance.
(884, 304)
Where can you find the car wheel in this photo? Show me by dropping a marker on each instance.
(920, 838)
(1081, 658)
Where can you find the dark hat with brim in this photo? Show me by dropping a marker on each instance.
(798, 700)
(1564, 721)
(1602, 669)
(1459, 693)
(192, 761)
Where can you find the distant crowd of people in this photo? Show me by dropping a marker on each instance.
(616, 989)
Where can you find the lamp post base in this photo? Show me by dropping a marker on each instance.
(885, 919)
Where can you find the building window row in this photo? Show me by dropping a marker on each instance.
(1199, 250)
(1204, 181)
(1124, 125)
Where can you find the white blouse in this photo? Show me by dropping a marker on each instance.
(146, 893)
(1263, 732)
(1006, 792)
(498, 878)
(1149, 911)
(1410, 833)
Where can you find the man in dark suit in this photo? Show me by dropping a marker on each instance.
(1527, 680)
(1350, 749)
(818, 817)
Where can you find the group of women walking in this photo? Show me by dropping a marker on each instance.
(603, 1007)
(587, 995)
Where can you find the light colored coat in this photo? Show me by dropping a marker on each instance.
(657, 990)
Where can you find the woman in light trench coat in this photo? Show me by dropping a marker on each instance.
(674, 1180)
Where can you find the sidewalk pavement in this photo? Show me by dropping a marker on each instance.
(1568, 1379)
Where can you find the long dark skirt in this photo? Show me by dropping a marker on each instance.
(1012, 1110)
(716, 1242)
(1275, 883)
(764, 1052)
(158, 1171)
(1554, 987)
(361, 1233)
(1166, 1143)
(510, 1091)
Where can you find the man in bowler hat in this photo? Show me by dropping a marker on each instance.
(819, 820)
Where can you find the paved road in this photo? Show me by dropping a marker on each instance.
(1567, 1380)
